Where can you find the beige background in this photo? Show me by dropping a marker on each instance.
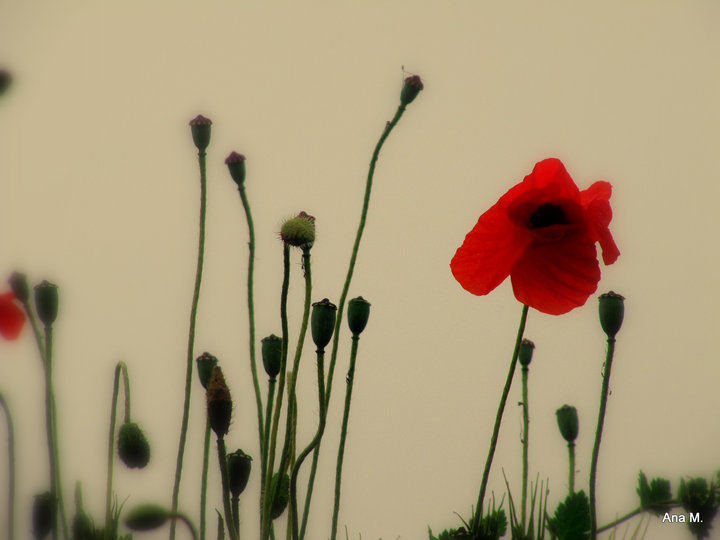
(99, 193)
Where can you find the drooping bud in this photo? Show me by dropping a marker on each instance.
(272, 355)
(358, 314)
(46, 302)
(205, 364)
(526, 352)
(282, 494)
(239, 465)
(133, 446)
(200, 129)
(43, 515)
(322, 322)
(612, 311)
(299, 231)
(19, 286)
(146, 517)
(412, 87)
(567, 419)
(236, 165)
(219, 403)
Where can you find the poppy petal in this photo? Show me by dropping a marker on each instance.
(550, 177)
(12, 317)
(598, 213)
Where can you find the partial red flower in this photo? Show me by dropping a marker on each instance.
(12, 317)
(541, 233)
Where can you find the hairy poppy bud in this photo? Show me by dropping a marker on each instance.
(43, 515)
(133, 446)
(146, 517)
(219, 403)
(612, 310)
(239, 465)
(412, 87)
(567, 419)
(46, 302)
(200, 129)
(526, 352)
(282, 494)
(358, 314)
(205, 364)
(322, 322)
(19, 286)
(236, 165)
(299, 231)
(272, 355)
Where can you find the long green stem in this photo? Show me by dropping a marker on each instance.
(203, 480)
(343, 434)
(120, 368)
(498, 420)
(251, 312)
(235, 504)
(571, 467)
(191, 339)
(11, 469)
(526, 441)
(222, 462)
(266, 433)
(618, 521)
(598, 435)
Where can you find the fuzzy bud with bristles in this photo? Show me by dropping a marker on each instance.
(236, 165)
(219, 403)
(200, 129)
(299, 231)
(133, 446)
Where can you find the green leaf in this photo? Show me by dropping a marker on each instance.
(656, 496)
(702, 500)
(572, 518)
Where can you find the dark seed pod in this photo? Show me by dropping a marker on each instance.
(236, 165)
(567, 419)
(412, 87)
(219, 403)
(272, 355)
(612, 311)
(200, 129)
(19, 286)
(358, 314)
(43, 515)
(205, 364)
(133, 446)
(322, 322)
(46, 302)
(282, 494)
(239, 465)
(526, 352)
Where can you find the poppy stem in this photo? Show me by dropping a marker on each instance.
(11, 470)
(598, 435)
(222, 462)
(120, 368)
(571, 467)
(203, 480)
(525, 440)
(498, 420)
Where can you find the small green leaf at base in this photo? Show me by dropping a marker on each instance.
(572, 518)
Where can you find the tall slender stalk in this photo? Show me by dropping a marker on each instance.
(526, 441)
(272, 381)
(120, 368)
(222, 461)
(571, 467)
(191, 337)
(203, 480)
(11, 469)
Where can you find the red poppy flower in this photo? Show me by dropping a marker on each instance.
(12, 317)
(541, 233)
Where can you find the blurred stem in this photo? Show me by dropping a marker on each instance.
(266, 433)
(203, 480)
(571, 466)
(618, 521)
(343, 434)
(526, 440)
(11, 469)
(222, 462)
(188, 523)
(120, 368)
(498, 420)
(191, 338)
(598, 435)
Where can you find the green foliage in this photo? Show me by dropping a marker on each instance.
(572, 518)
(656, 496)
(697, 497)
(492, 527)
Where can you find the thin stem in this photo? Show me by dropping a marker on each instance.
(203, 480)
(343, 434)
(11, 469)
(320, 353)
(598, 435)
(235, 507)
(251, 312)
(119, 368)
(222, 461)
(571, 467)
(266, 432)
(618, 521)
(498, 420)
(526, 440)
(191, 339)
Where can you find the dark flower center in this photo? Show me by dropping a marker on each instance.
(546, 215)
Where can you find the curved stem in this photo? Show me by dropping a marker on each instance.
(526, 441)
(222, 462)
(188, 523)
(11, 469)
(203, 480)
(191, 339)
(598, 435)
(498, 420)
(119, 368)
(618, 521)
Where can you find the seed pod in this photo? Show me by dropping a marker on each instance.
(612, 311)
(46, 302)
(133, 446)
(239, 465)
(358, 314)
(412, 87)
(19, 286)
(200, 130)
(567, 419)
(526, 352)
(272, 355)
(219, 403)
(205, 364)
(43, 515)
(322, 322)
(236, 165)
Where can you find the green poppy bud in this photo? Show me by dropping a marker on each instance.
(526, 352)
(239, 465)
(322, 322)
(19, 286)
(282, 494)
(46, 302)
(272, 355)
(146, 517)
(612, 310)
(82, 527)
(133, 446)
(43, 515)
(412, 87)
(299, 231)
(567, 419)
(219, 403)
(358, 314)
(200, 129)
(205, 364)
(5, 80)
(236, 165)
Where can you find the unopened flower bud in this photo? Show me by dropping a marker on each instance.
(219, 403)
(43, 515)
(412, 87)
(567, 419)
(272, 355)
(358, 314)
(205, 364)
(282, 494)
(19, 286)
(526, 352)
(322, 322)
(236, 165)
(82, 526)
(133, 446)
(200, 129)
(146, 517)
(299, 231)
(239, 465)
(612, 310)
(46, 302)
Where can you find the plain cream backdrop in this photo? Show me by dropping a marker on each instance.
(99, 194)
